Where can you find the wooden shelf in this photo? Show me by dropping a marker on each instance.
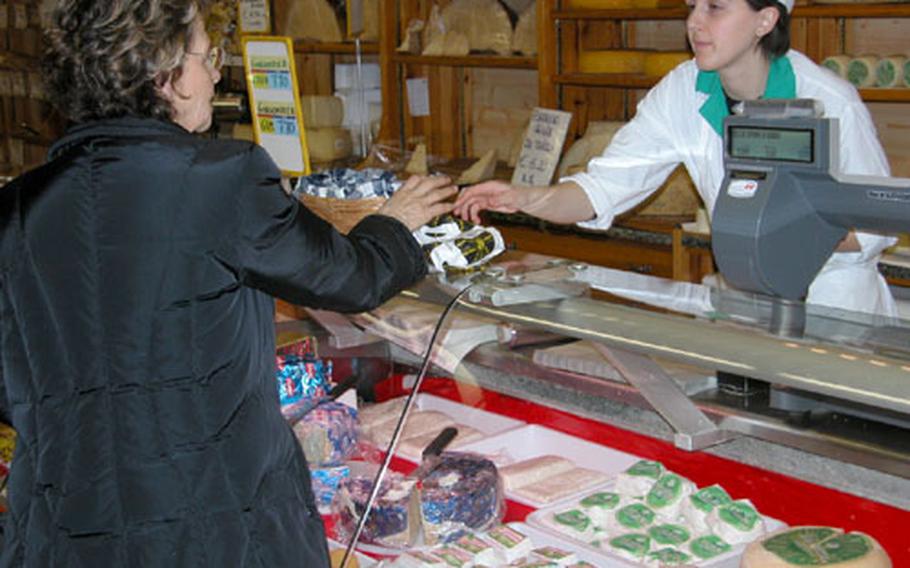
(619, 81)
(508, 62)
(814, 11)
(339, 48)
(885, 95)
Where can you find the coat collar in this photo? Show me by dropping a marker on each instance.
(781, 85)
(123, 126)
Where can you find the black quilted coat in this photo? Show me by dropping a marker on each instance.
(137, 275)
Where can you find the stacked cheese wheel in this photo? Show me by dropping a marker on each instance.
(866, 71)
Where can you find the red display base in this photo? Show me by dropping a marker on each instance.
(791, 500)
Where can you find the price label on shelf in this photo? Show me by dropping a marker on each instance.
(541, 147)
(254, 16)
(275, 102)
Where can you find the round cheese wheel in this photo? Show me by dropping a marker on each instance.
(861, 71)
(815, 546)
(659, 63)
(612, 61)
(889, 72)
(837, 64)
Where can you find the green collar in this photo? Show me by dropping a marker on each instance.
(781, 85)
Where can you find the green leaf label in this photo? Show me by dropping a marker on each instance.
(645, 468)
(666, 491)
(635, 516)
(635, 544)
(574, 519)
(709, 546)
(668, 534)
(740, 516)
(602, 500)
(669, 556)
(709, 497)
(817, 546)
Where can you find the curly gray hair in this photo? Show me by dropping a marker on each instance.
(109, 58)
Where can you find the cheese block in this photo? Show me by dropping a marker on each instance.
(328, 144)
(861, 71)
(485, 23)
(574, 523)
(524, 40)
(461, 493)
(659, 63)
(556, 487)
(418, 423)
(371, 415)
(837, 64)
(508, 543)
(612, 61)
(631, 518)
(633, 546)
(390, 521)
(532, 471)
(708, 546)
(638, 479)
(597, 137)
(321, 111)
(667, 495)
(600, 506)
(736, 522)
(448, 43)
(328, 434)
(697, 506)
(312, 19)
(889, 71)
(415, 445)
(417, 164)
(666, 557)
(815, 546)
(481, 170)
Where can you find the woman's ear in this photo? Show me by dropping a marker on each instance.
(767, 19)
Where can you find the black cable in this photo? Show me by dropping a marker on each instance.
(377, 481)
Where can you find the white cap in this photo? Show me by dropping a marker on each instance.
(788, 4)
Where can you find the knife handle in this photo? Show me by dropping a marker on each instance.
(440, 442)
(342, 387)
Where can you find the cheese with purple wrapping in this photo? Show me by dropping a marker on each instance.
(390, 522)
(328, 434)
(462, 492)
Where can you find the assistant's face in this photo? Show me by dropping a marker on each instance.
(191, 94)
(724, 34)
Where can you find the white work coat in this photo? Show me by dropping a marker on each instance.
(667, 129)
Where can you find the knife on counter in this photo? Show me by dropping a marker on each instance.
(432, 454)
(295, 414)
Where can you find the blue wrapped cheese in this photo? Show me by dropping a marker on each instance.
(389, 522)
(328, 434)
(325, 482)
(461, 492)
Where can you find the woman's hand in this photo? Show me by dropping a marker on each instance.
(491, 195)
(420, 199)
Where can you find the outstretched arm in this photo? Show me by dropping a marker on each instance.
(562, 203)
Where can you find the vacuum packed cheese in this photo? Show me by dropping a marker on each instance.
(861, 71)
(328, 144)
(612, 61)
(484, 22)
(889, 71)
(321, 111)
(815, 546)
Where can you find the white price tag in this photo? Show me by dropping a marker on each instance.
(541, 147)
(742, 188)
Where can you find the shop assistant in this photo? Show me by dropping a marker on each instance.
(742, 52)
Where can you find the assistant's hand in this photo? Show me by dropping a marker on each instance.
(493, 195)
(420, 199)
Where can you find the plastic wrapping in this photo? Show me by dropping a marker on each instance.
(449, 242)
(301, 376)
(328, 434)
(462, 494)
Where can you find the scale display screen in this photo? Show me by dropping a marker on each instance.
(777, 144)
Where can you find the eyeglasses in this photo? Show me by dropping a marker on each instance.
(214, 58)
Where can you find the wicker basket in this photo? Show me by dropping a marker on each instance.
(343, 214)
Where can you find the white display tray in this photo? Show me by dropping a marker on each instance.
(729, 559)
(487, 422)
(532, 441)
(546, 538)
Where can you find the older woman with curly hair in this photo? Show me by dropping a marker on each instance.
(137, 274)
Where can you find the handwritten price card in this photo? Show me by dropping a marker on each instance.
(541, 147)
(271, 80)
(254, 17)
